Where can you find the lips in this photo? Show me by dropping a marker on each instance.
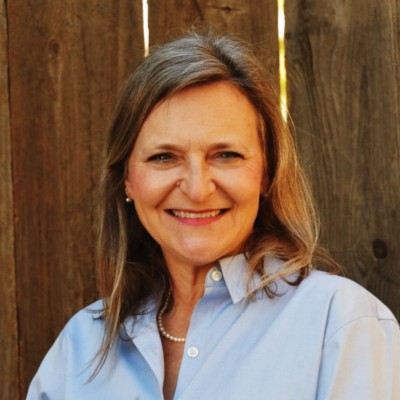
(196, 215)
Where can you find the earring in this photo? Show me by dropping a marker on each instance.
(128, 198)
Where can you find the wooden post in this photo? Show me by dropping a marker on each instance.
(67, 61)
(343, 65)
(255, 21)
(8, 315)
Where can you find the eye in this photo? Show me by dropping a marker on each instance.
(161, 158)
(229, 155)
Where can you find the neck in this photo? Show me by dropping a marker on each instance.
(187, 282)
(187, 289)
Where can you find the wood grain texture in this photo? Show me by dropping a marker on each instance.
(8, 316)
(255, 21)
(343, 65)
(67, 61)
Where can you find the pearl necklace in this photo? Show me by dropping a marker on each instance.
(160, 324)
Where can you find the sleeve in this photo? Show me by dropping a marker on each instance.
(49, 381)
(362, 361)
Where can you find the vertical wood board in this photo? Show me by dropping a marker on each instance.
(68, 60)
(343, 66)
(255, 21)
(8, 317)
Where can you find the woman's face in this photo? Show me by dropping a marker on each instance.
(195, 173)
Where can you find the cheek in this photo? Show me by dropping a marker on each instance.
(148, 186)
(243, 185)
(252, 178)
(252, 185)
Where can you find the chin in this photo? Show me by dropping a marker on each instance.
(202, 257)
(200, 260)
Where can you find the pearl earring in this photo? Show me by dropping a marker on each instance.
(128, 198)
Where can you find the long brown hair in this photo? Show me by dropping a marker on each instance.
(132, 269)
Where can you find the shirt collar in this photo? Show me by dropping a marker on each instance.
(236, 276)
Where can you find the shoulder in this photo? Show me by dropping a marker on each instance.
(360, 343)
(83, 333)
(344, 301)
(71, 354)
(345, 293)
(88, 318)
(89, 313)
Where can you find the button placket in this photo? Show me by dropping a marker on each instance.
(197, 344)
(216, 276)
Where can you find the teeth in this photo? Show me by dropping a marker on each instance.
(184, 214)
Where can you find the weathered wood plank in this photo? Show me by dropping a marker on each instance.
(8, 315)
(255, 21)
(343, 65)
(68, 60)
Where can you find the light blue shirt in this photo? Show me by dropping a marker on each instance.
(326, 339)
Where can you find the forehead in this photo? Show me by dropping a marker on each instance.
(213, 108)
(211, 97)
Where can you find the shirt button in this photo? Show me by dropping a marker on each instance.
(216, 275)
(193, 352)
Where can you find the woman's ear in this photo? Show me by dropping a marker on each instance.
(128, 198)
(128, 186)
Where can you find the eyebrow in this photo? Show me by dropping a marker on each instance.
(169, 146)
(224, 145)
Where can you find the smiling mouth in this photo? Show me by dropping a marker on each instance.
(196, 215)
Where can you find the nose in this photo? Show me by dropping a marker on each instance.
(197, 182)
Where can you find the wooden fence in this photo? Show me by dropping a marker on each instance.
(61, 64)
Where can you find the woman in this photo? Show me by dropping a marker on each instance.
(207, 239)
